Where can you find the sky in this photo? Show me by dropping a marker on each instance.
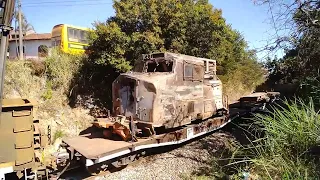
(249, 19)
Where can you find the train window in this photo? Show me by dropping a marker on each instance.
(84, 37)
(77, 35)
(193, 72)
(71, 35)
(188, 71)
(162, 66)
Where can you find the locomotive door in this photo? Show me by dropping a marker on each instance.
(123, 97)
(145, 94)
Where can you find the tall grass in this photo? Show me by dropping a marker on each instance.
(241, 81)
(61, 69)
(48, 83)
(288, 148)
(19, 81)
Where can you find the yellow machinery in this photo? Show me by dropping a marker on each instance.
(70, 39)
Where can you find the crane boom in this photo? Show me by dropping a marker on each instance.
(6, 14)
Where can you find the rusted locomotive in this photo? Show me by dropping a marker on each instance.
(170, 90)
(168, 99)
(164, 90)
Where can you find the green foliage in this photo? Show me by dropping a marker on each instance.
(310, 87)
(61, 68)
(301, 63)
(109, 45)
(289, 145)
(58, 134)
(48, 92)
(186, 27)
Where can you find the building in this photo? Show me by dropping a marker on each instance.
(35, 45)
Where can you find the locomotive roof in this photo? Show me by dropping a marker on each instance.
(174, 56)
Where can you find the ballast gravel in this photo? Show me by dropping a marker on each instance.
(179, 163)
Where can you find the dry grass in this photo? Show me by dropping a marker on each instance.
(235, 90)
(240, 82)
(48, 83)
(21, 81)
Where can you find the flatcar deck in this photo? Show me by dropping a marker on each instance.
(95, 149)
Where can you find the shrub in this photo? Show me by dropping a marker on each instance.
(48, 92)
(310, 87)
(60, 69)
(286, 151)
(58, 134)
(38, 67)
(19, 81)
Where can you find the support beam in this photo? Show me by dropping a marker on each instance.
(20, 32)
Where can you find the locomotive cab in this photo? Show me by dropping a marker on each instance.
(167, 89)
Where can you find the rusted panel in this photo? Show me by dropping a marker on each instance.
(93, 148)
(198, 73)
(208, 106)
(170, 90)
(190, 107)
(116, 97)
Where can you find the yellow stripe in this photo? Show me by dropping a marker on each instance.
(76, 46)
(4, 165)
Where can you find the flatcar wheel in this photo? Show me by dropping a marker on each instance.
(97, 169)
(113, 168)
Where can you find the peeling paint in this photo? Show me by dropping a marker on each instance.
(167, 95)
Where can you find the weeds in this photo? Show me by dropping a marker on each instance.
(47, 82)
(61, 68)
(58, 134)
(19, 81)
(38, 67)
(48, 92)
(288, 149)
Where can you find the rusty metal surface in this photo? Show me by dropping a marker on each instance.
(92, 148)
(260, 96)
(168, 89)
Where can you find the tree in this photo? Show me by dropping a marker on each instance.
(301, 21)
(26, 26)
(188, 27)
(192, 27)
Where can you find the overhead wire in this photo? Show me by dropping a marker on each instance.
(61, 2)
(67, 3)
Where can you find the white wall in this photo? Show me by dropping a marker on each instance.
(31, 48)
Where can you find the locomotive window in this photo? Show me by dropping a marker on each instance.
(162, 66)
(188, 70)
(193, 72)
